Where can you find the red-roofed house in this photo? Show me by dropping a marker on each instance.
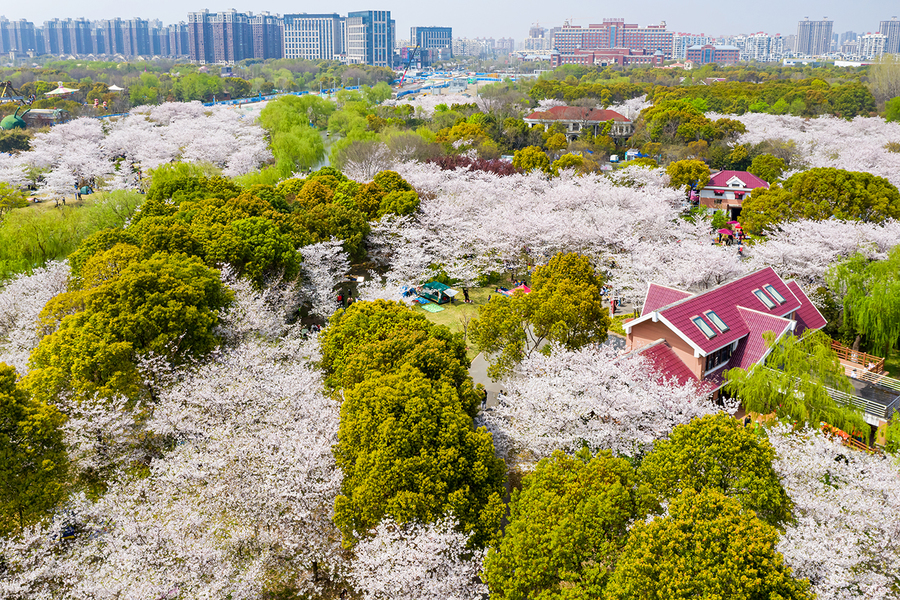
(718, 329)
(576, 119)
(727, 191)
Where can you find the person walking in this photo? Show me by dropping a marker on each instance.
(466, 295)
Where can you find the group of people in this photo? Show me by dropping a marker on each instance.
(345, 301)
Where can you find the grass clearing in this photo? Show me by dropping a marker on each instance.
(457, 316)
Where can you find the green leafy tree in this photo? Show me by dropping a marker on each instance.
(556, 143)
(409, 450)
(33, 459)
(568, 161)
(567, 525)
(794, 382)
(300, 147)
(10, 198)
(719, 220)
(382, 336)
(708, 546)
(767, 167)
(871, 298)
(688, 174)
(717, 452)
(820, 194)
(257, 249)
(892, 110)
(167, 305)
(14, 141)
(530, 159)
(96, 243)
(398, 203)
(564, 308)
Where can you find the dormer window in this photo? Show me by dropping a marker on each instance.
(770, 304)
(704, 327)
(717, 321)
(774, 293)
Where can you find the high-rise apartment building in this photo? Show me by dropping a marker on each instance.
(891, 30)
(313, 36)
(18, 36)
(432, 38)
(814, 37)
(370, 38)
(228, 37)
(268, 35)
(763, 47)
(871, 45)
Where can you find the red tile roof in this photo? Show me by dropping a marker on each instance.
(752, 349)
(659, 296)
(576, 113)
(745, 315)
(750, 180)
(807, 316)
(724, 300)
(664, 360)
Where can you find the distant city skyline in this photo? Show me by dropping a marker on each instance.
(506, 19)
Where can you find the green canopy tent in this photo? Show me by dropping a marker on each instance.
(436, 292)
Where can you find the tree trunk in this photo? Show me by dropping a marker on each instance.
(856, 342)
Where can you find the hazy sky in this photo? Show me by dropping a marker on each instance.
(506, 18)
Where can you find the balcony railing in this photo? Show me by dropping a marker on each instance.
(867, 362)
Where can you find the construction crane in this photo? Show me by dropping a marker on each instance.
(9, 94)
(412, 57)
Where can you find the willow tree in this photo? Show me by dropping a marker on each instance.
(871, 292)
(796, 382)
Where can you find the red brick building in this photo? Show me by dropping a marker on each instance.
(723, 55)
(614, 33)
(609, 56)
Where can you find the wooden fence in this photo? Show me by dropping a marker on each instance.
(873, 364)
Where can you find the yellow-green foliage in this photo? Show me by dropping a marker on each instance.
(566, 528)
(165, 305)
(718, 452)
(33, 460)
(407, 444)
(707, 546)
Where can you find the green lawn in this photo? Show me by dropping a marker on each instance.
(455, 315)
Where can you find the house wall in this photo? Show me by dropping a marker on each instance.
(710, 200)
(648, 332)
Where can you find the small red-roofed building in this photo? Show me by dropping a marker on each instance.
(727, 191)
(694, 338)
(577, 119)
(722, 328)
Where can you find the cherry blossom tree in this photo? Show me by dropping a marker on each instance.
(846, 538)
(417, 562)
(21, 302)
(804, 250)
(425, 104)
(241, 503)
(324, 265)
(855, 145)
(111, 153)
(256, 312)
(631, 109)
(589, 397)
